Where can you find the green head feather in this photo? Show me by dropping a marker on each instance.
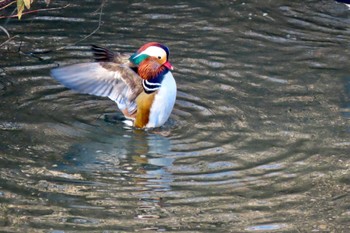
(138, 58)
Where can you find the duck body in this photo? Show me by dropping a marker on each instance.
(141, 84)
(162, 103)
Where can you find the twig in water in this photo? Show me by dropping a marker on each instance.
(6, 32)
(8, 40)
(93, 32)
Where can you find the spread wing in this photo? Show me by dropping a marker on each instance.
(101, 54)
(116, 81)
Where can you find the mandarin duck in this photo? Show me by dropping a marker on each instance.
(141, 83)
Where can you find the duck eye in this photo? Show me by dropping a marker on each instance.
(159, 57)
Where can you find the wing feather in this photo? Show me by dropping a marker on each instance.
(101, 54)
(108, 79)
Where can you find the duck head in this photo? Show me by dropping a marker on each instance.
(152, 60)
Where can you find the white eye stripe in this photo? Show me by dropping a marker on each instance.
(154, 51)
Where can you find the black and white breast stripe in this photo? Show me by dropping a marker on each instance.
(150, 87)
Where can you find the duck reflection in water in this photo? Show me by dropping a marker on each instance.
(137, 161)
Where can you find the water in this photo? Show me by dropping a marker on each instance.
(258, 140)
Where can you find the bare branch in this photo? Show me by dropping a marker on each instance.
(34, 11)
(6, 4)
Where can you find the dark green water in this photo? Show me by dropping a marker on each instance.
(259, 139)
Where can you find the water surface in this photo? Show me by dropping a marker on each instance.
(258, 140)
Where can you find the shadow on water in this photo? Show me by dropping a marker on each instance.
(258, 140)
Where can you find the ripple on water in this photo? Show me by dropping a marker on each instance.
(256, 142)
